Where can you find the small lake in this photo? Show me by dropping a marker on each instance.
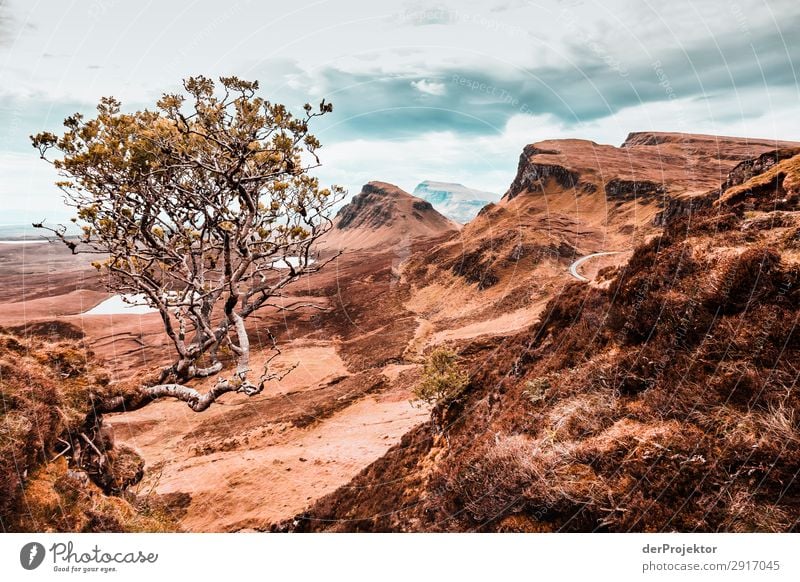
(136, 304)
(285, 263)
(128, 304)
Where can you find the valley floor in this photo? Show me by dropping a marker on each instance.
(246, 463)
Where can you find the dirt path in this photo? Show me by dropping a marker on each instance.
(496, 326)
(248, 462)
(420, 340)
(276, 475)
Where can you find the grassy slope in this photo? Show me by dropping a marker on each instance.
(668, 401)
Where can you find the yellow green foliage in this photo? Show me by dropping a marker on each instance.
(443, 380)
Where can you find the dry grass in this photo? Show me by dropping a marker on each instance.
(668, 402)
(57, 499)
(45, 388)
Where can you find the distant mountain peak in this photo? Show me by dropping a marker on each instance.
(454, 200)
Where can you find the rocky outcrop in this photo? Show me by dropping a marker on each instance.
(680, 207)
(630, 190)
(384, 215)
(753, 167)
(645, 138)
(532, 174)
(760, 179)
(361, 213)
(647, 167)
(487, 209)
(422, 205)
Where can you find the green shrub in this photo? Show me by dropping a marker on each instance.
(443, 380)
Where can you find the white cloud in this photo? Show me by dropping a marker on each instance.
(429, 87)
(142, 52)
(489, 162)
(27, 190)
(481, 162)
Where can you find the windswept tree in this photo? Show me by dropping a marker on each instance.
(204, 206)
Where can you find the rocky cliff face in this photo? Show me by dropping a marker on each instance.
(630, 190)
(763, 178)
(773, 184)
(747, 169)
(681, 207)
(647, 167)
(533, 174)
(371, 208)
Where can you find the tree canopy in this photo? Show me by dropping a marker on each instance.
(204, 205)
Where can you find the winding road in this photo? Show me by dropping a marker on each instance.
(573, 268)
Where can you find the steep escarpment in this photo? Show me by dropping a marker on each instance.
(363, 212)
(633, 190)
(753, 167)
(775, 187)
(381, 216)
(682, 207)
(571, 198)
(768, 181)
(666, 402)
(533, 174)
(648, 163)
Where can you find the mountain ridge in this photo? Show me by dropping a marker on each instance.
(384, 215)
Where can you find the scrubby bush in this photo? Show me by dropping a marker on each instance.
(536, 390)
(46, 391)
(443, 380)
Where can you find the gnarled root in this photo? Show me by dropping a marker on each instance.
(197, 401)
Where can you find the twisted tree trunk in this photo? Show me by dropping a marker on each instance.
(197, 401)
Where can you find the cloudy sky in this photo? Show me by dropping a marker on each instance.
(447, 91)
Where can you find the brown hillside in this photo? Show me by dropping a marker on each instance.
(46, 379)
(666, 402)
